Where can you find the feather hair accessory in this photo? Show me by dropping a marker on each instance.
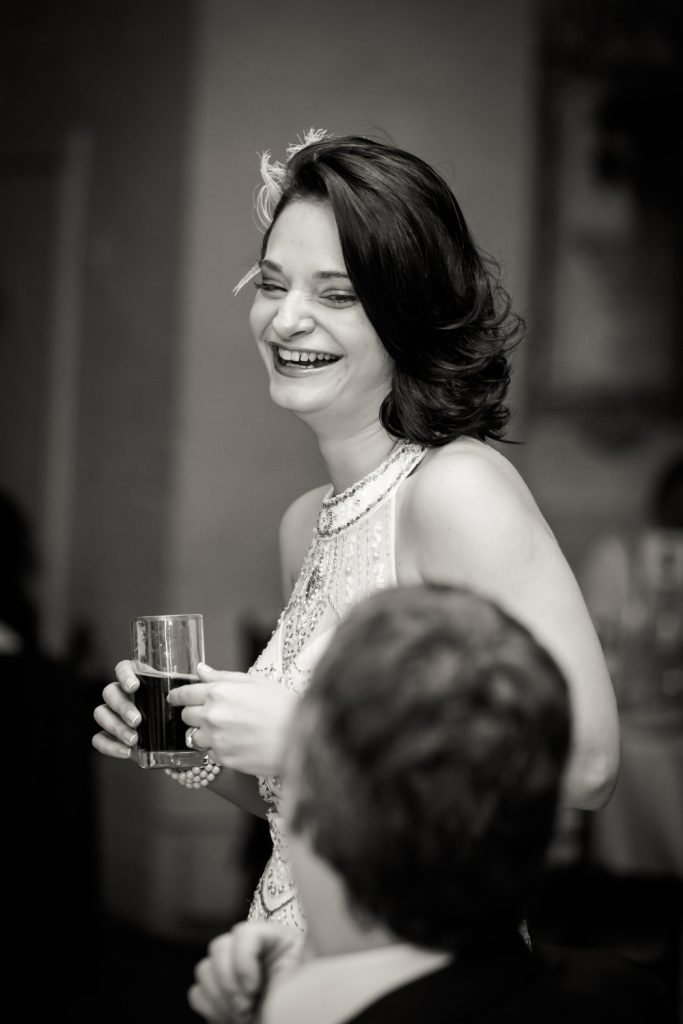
(274, 175)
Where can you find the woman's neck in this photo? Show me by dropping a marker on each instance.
(350, 458)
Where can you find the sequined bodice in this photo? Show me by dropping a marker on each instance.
(351, 555)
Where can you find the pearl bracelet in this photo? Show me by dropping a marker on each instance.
(195, 778)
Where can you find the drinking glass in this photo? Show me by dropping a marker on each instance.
(165, 652)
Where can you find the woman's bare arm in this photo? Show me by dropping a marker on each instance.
(239, 789)
(469, 519)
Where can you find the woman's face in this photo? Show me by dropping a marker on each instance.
(321, 351)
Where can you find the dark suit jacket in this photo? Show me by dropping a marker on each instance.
(510, 985)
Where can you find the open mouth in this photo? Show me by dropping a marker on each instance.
(301, 359)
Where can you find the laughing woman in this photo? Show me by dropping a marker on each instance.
(384, 328)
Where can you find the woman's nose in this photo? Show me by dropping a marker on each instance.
(293, 316)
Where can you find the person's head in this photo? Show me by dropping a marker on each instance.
(424, 765)
(427, 294)
(324, 359)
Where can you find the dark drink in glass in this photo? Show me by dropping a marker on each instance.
(162, 729)
(166, 649)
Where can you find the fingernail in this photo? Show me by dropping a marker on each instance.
(202, 664)
(131, 738)
(133, 718)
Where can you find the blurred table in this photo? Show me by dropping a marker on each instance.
(640, 831)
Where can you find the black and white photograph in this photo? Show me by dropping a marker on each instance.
(341, 510)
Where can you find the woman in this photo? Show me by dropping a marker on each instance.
(384, 329)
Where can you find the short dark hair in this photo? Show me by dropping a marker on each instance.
(430, 751)
(434, 299)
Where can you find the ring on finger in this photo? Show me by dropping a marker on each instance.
(189, 738)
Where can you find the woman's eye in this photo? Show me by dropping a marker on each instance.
(340, 298)
(268, 286)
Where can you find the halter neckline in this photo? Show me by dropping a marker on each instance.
(339, 511)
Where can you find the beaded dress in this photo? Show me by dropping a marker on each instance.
(350, 556)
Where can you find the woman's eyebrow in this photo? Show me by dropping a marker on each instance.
(321, 275)
(269, 265)
(324, 275)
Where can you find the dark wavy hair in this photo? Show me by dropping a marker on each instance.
(430, 749)
(434, 299)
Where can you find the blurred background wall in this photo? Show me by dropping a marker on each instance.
(135, 427)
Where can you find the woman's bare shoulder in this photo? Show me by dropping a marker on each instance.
(466, 478)
(304, 510)
(469, 506)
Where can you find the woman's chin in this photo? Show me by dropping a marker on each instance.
(297, 396)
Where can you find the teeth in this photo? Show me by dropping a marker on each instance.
(292, 356)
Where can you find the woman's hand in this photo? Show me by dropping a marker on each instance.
(239, 718)
(238, 969)
(118, 716)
